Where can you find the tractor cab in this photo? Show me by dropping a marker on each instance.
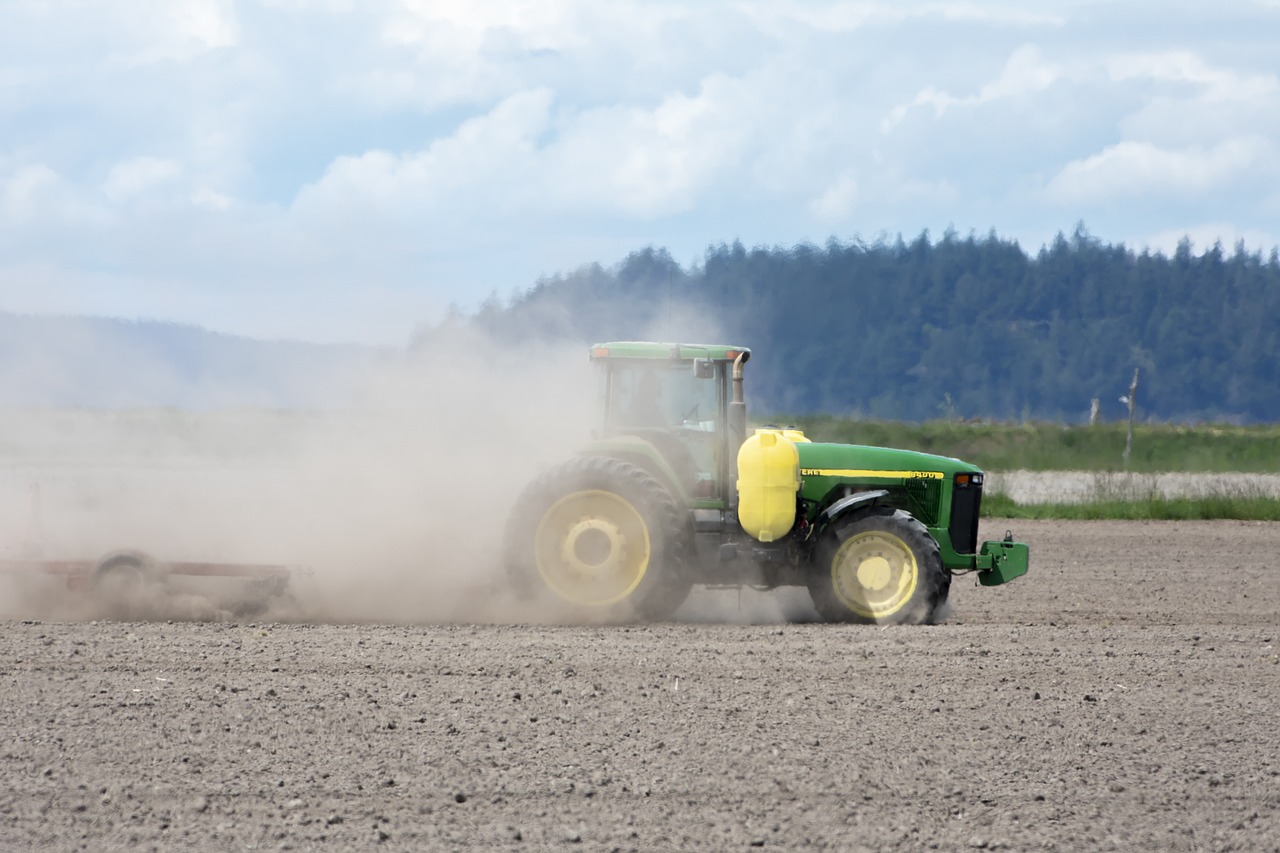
(667, 407)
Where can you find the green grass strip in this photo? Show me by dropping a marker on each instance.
(1058, 447)
(1152, 508)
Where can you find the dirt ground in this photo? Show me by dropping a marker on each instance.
(1122, 696)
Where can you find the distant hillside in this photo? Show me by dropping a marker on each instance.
(95, 362)
(953, 328)
(959, 327)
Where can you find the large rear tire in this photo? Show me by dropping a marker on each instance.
(601, 536)
(880, 566)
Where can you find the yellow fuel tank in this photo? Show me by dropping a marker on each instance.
(768, 480)
(793, 434)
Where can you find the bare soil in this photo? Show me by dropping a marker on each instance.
(1122, 696)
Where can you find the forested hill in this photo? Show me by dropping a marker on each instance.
(959, 327)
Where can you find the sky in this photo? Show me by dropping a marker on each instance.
(348, 170)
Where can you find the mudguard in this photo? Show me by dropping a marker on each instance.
(852, 503)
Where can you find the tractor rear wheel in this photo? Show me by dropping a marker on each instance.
(603, 536)
(880, 566)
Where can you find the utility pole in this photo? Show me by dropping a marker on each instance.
(1131, 399)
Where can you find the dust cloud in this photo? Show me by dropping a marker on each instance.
(392, 503)
(386, 493)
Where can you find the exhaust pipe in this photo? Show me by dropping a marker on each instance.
(737, 426)
(737, 377)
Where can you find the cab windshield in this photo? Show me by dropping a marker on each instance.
(661, 401)
(661, 396)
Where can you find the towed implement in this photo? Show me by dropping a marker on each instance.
(674, 493)
(127, 569)
(128, 576)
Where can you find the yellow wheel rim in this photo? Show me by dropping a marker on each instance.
(592, 548)
(874, 574)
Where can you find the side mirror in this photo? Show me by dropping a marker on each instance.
(704, 368)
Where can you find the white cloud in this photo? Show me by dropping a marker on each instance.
(520, 159)
(931, 193)
(1224, 101)
(35, 195)
(209, 149)
(25, 187)
(649, 162)
(329, 6)
(73, 33)
(837, 201)
(139, 175)
(210, 199)
(179, 30)
(1129, 169)
(433, 54)
(210, 23)
(462, 26)
(1188, 67)
(1026, 72)
(845, 17)
(460, 168)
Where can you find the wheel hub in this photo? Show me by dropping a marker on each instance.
(592, 548)
(592, 545)
(874, 574)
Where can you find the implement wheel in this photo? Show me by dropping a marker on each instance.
(126, 580)
(602, 536)
(880, 566)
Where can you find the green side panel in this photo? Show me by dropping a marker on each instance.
(883, 463)
(667, 352)
(918, 482)
(1001, 562)
(951, 558)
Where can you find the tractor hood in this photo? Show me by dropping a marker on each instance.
(857, 461)
(925, 485)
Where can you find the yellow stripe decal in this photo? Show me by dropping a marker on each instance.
(891, 475)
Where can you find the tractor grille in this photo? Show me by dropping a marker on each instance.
(921, 496)
(966, 502)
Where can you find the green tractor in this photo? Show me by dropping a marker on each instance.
(672, 492)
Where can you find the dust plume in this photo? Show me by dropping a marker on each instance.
(387, 495)
(394, 500)
(748, 606)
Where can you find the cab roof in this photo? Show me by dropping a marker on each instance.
(668, 351)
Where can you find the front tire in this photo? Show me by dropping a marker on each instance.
(602, 536)
(880, 566)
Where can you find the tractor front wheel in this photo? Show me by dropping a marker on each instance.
(602, 536)
(880, 566)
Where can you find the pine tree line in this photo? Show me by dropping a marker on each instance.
(971, 327)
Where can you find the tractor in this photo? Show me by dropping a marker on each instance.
(671, 492)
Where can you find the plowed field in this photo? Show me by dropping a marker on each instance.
(1122, 696)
